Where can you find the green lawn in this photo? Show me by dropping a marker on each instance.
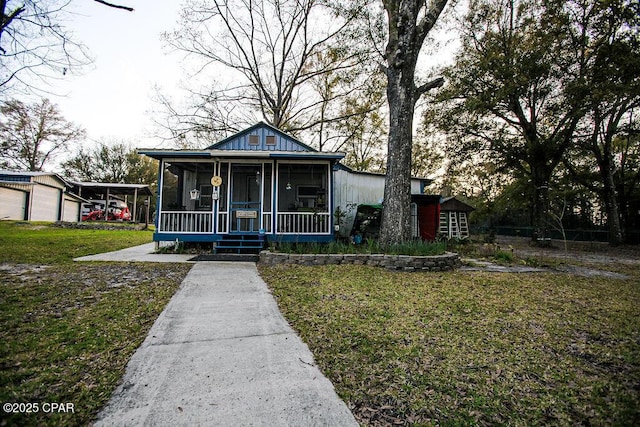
(453, 348)
(67, 330)
(464, 348)
(23, 242)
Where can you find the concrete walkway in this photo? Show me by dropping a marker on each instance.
(142, 253)
(222, 354)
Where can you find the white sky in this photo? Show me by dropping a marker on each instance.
(112, 98)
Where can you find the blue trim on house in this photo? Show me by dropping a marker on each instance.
(303, 156)
(300, 238)
(186, 237)
(274, 195)
(159, 193)
(174, 153)
(210, 238)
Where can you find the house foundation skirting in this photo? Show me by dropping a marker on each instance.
(445, 262)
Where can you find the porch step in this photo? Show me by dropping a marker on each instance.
(240, 244)
(227, 257)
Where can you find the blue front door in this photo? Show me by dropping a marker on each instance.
(245, 198)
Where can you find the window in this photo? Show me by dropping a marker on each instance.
(254, 140)
(271, 140)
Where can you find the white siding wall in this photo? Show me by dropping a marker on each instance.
(353, 189)
(12, 204)
(45, 203)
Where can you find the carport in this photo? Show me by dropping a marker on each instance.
(107, 191)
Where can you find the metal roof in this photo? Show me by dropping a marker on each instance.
(114, 188)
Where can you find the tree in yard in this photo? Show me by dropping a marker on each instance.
(31, 136)
(268, 58)
(508, 90)
(606, 41)
(409, 22)
(34, 44)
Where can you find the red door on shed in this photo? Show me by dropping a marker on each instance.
(428, 221)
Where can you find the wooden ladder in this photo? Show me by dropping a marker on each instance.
(464, 225)
(454, 229)
(443, 228)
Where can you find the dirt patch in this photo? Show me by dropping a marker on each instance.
(587, 259)
(589, 272)
(112, 275)
(24, 271)
(586, 252)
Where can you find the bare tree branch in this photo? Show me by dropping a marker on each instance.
(117, 6)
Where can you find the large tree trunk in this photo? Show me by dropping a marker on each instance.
(540, 211)
(409, 22)
(541, 170)
(396, 216)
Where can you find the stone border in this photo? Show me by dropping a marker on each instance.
(445, 262)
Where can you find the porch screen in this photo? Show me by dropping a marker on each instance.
(302, 187)
(171, 180)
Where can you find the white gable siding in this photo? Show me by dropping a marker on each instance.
(49, 180)
(12, 204)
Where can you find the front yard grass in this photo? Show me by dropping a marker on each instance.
(478, 348)
(67, 330)
(25, 242)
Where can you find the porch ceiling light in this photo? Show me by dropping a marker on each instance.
(288, 187)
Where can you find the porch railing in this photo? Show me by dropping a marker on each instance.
(186, 222)
(303, 222)
(222, 222)
(266, 222)
(202, 222)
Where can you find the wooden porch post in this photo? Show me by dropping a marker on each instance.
(135, 205)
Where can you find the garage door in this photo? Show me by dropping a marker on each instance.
(71, 209)
(45, 203)
(12, 204)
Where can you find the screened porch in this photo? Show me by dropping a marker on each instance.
(203, 197)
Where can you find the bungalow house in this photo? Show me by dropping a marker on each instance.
(257, 184)
(37, 196)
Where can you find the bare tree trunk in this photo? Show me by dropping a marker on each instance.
(396, 216)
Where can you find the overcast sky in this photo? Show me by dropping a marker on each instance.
(112, 98)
